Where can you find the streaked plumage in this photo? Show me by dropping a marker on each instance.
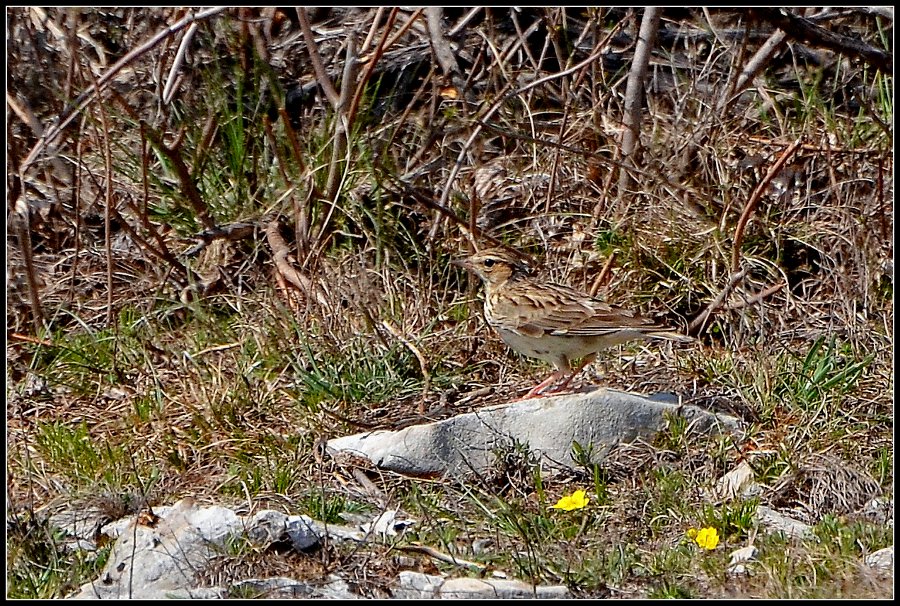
(553, 322)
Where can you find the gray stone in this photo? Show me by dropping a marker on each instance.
(161, 558)
(416, 585)
(881, 559)
(80, 525)
(549, 426)
(778, 522)
(413, 585)
(469, 588)
(287, 588)
(739, 557)
(304, 532)
(387, 524)
(266, 527)
(737, 482)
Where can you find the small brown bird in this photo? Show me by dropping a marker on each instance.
(553, 322)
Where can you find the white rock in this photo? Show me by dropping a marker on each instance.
(466, 443)
(776, 522)
(469, 588)
(387, 524)
(883, 558)
(417, 585)
(80, 525)
(160, 558)
(287, 588)
(737, 482)
(736, 565)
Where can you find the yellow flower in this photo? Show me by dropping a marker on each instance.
(576, 500)
(707, 538)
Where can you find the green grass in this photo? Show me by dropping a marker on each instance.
(40, 567)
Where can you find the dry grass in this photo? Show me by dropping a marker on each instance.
(148, 354)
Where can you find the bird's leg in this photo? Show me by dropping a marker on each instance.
(536, 391)
(563, 367)
(581, 366)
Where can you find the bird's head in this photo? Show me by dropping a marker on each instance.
(494, 265)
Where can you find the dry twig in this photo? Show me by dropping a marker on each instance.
(754, 200)
(92, 91)
(634, 94)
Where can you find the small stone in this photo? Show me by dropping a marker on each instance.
(417, 585)
(881, 559)
(776, 522)
(736, 565)
(468, 588)
(387, 524)
(266, 527)
(737, 482)
(479, 546)
(303, 532)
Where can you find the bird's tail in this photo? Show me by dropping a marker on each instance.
(670, 336)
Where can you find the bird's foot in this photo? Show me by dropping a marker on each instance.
(538, 389)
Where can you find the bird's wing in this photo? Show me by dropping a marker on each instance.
(535, 309)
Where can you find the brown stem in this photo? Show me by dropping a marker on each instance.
(756, 298)
(754, 200)
(634, 93)
(92, 91)
(439, 42)
(804, 30)
(699, 323)
(316, 59)
(109, 207)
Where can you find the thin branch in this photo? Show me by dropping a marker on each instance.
(756, 298)
(439, 43)
(634, 93)
(754, 200)
(804, 30)
(464, 21)
(19, 220)
(280, 254)
(316, 59)
(383, 45)
(758, 61)
(109, 207)
(92, 91)
(342, 126)
(363, 49)
(699, 323)
(172, 80)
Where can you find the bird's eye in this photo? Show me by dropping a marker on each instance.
(488, 262)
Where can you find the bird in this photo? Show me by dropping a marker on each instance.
(553, 322)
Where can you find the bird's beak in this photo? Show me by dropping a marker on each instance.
(464, 263)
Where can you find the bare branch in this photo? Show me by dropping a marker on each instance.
(754, 200)
(316, 59)
(634, 94)
(91, 92)
(804, 30)
(441, 45)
